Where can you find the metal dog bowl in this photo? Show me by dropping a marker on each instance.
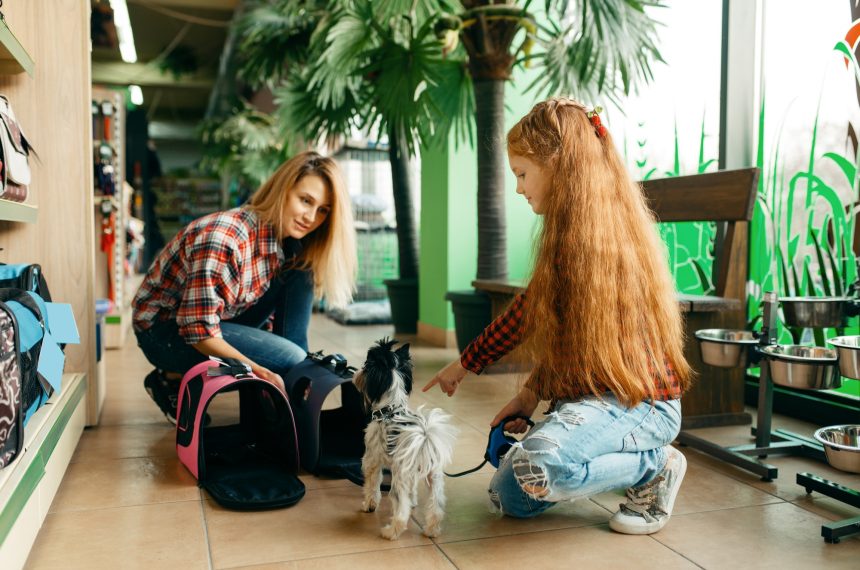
(848, 348)
(725, 348)
(814, 312)
(841, 446)
(803, 367)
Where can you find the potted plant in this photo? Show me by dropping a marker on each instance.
(367, 66)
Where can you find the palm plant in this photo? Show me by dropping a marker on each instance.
(585, 48)
(340, 65)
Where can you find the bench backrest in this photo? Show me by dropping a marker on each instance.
(727, 196)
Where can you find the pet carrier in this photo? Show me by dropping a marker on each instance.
(331, 442)
(249, 464)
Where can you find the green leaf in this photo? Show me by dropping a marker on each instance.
(825, 281)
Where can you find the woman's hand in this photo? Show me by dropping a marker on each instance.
(270, 376)
(448, 378)
(523, 404)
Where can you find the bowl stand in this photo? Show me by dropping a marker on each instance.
(778, 442)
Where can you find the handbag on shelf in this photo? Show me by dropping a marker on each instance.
(14, 156)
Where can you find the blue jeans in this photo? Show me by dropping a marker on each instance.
(583, 448)
(289, 298)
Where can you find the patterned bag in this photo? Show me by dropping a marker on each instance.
(11, 416)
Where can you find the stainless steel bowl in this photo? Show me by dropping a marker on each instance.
(841, 446)
(803, 367)
(848, 348)
(725, 348)
(814, 312)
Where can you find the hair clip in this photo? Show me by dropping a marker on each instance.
(594, 117)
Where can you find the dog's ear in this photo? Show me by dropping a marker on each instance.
(403, 353)
(404, 366)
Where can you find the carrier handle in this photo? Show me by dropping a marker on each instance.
(230, 367)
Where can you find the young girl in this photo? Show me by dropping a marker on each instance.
(601, 323)
(214, 288)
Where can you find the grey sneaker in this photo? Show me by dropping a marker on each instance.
(649, 506)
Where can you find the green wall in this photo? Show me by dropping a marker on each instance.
(449, 233)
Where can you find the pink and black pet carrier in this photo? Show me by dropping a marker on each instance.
(331, 441)
(246, 458)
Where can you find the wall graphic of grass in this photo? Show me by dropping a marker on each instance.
(802, 232)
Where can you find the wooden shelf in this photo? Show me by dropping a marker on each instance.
(14, 58)
(18, 212)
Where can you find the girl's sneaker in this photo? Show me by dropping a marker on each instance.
(649, 506)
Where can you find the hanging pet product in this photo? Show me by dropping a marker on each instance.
(246, 465)
(14, 156)
(798, 367)
(331, 442)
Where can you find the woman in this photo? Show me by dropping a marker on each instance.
(601, 323)
(216, 286)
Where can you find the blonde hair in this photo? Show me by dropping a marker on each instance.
(601, 308)
(329, 251)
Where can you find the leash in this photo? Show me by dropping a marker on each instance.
(498, 445)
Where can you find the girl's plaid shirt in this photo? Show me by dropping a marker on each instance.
(215, 269)
(504, 334)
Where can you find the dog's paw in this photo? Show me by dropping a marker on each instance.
(433, 527)
(390, 532)
(369, 505)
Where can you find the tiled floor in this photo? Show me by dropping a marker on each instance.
(126, 502)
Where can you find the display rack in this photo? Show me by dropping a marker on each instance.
(113, 209)
(180, 200)
(14, 58)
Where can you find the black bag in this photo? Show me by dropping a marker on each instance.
(26, 276)
(331, 442)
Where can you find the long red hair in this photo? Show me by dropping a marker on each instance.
(601, 308)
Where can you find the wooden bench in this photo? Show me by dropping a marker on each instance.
(727, 197)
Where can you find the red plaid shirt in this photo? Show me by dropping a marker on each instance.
(504, 334)
(213, 270)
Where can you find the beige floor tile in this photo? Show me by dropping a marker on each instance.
(151, 536)
(594, 547)
(769, 536)
(702, 490)
(468, 515)
(826, 507)
(124, 441)
(414, 558)
(125, 482)
(130, 411)
(324, 523)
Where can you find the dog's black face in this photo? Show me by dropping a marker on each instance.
(381, 362)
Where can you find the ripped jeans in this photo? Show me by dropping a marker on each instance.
(583, 448)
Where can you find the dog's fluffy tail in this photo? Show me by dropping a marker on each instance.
(428, 444)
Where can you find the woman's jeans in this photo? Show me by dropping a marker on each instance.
(583, 448)
(289, 298)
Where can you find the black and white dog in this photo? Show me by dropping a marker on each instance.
(415, 446)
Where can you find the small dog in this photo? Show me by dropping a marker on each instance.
(415, 446)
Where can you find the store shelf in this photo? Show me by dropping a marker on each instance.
(14, 58)
(18, 212)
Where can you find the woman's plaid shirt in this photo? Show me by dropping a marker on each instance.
(215, 269)
(504, 334)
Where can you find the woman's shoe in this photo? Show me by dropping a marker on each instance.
(163, 392)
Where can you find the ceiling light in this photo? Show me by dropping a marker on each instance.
(123, 31)
(136, 94)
